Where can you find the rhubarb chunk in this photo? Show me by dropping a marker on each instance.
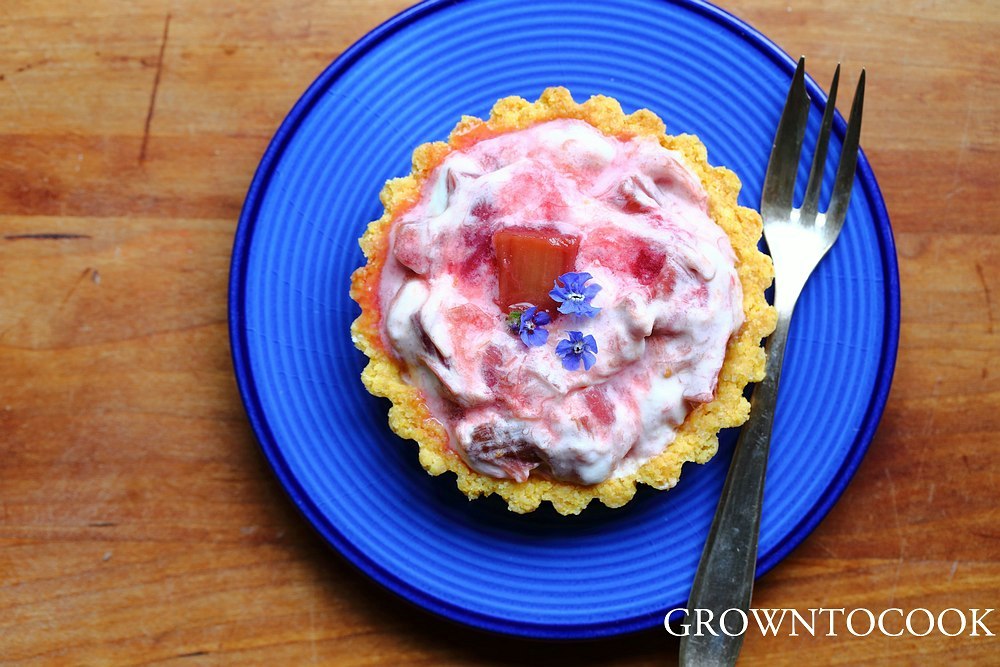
(528, 261)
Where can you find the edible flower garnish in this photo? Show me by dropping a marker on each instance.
(529, 326)
(573, 296)
(577, 348)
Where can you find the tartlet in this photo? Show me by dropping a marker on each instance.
(437, 409)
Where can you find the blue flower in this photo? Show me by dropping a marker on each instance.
(574, 297)
(530, 327)
(577, 348)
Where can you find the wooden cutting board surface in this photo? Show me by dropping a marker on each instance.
(138, 522)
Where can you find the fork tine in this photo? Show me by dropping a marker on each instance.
(848, 160)
(810, 203)
(779, 183)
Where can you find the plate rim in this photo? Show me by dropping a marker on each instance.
(269, 447)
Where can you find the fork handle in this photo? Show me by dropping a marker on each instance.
(726, 572)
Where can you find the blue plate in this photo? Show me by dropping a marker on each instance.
(541, 575)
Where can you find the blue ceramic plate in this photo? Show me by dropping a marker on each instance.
(605, 572)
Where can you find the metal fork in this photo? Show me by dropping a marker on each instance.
(798, 238)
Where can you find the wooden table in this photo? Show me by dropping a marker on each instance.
(139, 523)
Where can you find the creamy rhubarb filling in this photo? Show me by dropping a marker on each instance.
(670, 299)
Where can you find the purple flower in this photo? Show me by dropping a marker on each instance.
(577, 348)
(573, 296)
(529, 327)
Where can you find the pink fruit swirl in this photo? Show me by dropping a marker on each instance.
(670, 301)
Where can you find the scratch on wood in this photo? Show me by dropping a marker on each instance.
(193, 654)
(899, 533)
(895, 510)
(45, 237)
(955, 187)
(986, 291)
(72, 289)
(820, 545)
(25, 68)
(156, 86)
(954, 567)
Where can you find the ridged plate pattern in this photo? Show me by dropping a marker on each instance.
(541, 575)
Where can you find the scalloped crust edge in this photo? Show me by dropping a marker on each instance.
(697, 437)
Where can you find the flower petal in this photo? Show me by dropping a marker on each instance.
(535, 338)
(571, 362)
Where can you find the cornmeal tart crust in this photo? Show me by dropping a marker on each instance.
(491, 447)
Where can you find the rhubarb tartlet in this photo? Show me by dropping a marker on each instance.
(561, 302)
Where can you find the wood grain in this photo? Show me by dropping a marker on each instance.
(139, 524)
